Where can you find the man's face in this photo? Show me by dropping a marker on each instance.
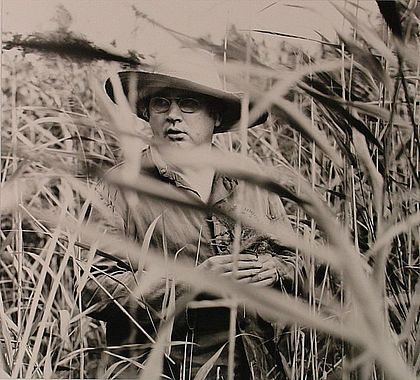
(182, 118)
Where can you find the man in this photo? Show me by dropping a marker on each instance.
(185, 104)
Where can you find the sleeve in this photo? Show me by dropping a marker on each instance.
(112, 293)
(110, 282)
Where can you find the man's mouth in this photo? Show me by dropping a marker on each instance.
(175, 134)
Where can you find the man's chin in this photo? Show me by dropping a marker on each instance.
(180, 143)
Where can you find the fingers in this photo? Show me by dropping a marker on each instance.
(269, 273)
(262, 283)
(241, 274)
(266, 277)
(230, 258)
(224, 263)
(242, 265)
(265, 258)
(243, 257)
(246, 280)
(260, 270)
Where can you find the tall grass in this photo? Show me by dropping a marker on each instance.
(341, 149)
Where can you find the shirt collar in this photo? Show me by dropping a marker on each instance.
(165, 170)
(222, 186)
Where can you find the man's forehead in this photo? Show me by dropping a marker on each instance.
(176, 92)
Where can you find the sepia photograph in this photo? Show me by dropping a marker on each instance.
(210, 189)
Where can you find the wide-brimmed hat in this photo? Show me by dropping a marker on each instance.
(185, 69)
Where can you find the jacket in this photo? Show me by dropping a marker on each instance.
(197, 334)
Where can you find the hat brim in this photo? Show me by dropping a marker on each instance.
(230, 101)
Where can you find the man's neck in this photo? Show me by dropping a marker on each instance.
(200, 179)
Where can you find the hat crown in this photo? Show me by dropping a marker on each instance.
(193, 65)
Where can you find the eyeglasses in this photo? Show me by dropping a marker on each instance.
(188, 105)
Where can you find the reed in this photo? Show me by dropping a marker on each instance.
(341, 149)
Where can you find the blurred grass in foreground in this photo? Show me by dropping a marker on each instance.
(343, 140)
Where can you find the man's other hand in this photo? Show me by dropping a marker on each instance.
(268, 275)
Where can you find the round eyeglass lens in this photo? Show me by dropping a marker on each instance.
(189, 105)
(159, 104)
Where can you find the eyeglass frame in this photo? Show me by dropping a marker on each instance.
(178, 101)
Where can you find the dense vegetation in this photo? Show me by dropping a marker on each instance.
(343, 138)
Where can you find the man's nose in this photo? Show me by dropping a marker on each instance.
(174, 112)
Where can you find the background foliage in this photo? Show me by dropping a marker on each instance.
(343, 136)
